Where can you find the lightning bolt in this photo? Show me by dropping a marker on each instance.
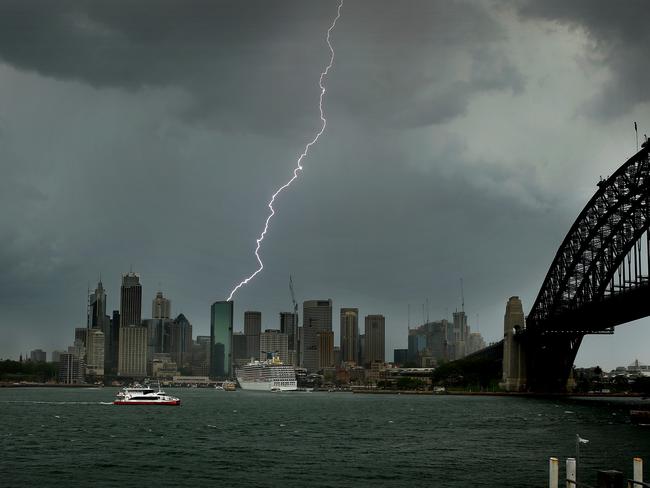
(303, 155)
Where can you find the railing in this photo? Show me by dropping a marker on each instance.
(609, 479)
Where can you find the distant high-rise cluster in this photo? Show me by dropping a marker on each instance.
(438, 341)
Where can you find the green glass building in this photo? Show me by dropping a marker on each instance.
(221, 314)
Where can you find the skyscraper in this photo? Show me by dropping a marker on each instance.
(132, 352)
(317, 318)
(130, 300)
(95, 353)
(239, 349)
(289, 326)
(350, 335)
(161, 307)
(97, 309)
(325, 349)
(38, 356)
(252, 330)
(180, 340)
(375, 331)
(221, 314)
(111, 356)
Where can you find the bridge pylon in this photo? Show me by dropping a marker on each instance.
(514, 355)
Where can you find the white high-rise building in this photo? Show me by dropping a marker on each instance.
(274, 342)
(95, 353)
(161, 307)
(132, 351)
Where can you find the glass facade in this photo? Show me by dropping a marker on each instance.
(221, 314)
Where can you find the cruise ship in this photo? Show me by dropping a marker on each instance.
(269, 375)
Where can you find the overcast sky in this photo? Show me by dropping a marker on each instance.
(463, 139)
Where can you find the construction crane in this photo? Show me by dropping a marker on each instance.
(295, 324)
(293, 298)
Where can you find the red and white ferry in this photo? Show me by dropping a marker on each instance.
(144, 395)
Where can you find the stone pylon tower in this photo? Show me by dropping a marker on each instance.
(514, 360)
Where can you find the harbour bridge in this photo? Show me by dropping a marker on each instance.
(599, 279)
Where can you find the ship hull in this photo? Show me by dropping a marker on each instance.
(265, 386)
(172, 403)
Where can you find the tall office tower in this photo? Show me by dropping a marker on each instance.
(201, 356)
(461, 334)
(289, 326)
(239, 349)
(95, 353)
(221, 339)
(161, 307)
(71, 369)
(38, 356)
(350, 335)
(252, 330)
(81, 334)
(132, 352)
(56, 355)
(362, 349)
(97, 309)
(158, 338)
(317, 318)
(375, 338)
(325, 349)
(180, 341)
(273, 341)
(338, 359)
(130, 300)
(114, 343)
(417, 344)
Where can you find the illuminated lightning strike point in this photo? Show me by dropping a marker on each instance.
(298, 168)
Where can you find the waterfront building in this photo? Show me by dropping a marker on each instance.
(252, 330)
(350, 335)
(221, 315)
(71, 369)
(325, 349)
(400, 356)
(375, 332)
(95, 342)
(289, 326)
(38, 356)
(274, 342)
(163, 366)
(239, 349)
(161, 307)
(180, 340)
(130, 300)
(317, 318)
(132, 347)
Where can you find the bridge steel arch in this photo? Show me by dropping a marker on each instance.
(598, 278)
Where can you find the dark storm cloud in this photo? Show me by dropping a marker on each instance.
(620, 40)
(403, 66)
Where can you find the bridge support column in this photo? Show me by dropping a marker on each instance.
(514, 360)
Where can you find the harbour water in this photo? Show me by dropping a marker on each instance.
(60, 437)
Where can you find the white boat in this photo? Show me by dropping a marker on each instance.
(269, 375)
(144, 395)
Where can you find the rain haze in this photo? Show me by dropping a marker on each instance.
(462, 141)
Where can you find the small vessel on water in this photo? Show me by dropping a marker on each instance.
(145, 395)
(269, 375)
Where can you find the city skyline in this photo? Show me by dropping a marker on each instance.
(451, 152)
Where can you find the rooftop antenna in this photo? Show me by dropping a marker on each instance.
(427, 310)
(423, 314)
(636, 131)
(462, 297)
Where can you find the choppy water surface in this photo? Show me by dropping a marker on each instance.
(56, 437)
